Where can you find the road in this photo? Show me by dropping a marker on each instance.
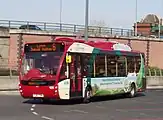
(142, 107)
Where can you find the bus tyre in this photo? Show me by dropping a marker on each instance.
(87, 96)
(132, 91)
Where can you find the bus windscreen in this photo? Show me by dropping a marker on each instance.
(43, 56)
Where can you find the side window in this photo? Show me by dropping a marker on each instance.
(63, 71)
(86, 65)
(111, 66)
(137, 64)
(130, 64)
(121, 61)
(100, 66)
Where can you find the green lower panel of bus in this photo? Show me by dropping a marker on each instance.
(108, 92)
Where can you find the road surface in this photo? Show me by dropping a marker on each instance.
(142, 107)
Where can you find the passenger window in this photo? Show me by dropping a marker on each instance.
(111, 66)
(130, 64)
(63, 71)
(137, 64)
(121, 62)
(100, 66)
(87, 69)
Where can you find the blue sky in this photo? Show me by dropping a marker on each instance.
(115, 13)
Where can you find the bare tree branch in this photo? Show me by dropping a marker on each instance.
(96, 28)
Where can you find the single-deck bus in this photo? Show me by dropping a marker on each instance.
(68, 68)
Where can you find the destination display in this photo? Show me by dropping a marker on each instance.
(44, 47)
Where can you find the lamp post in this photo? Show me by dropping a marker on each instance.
(159, 26)
(60, 11)
(136, 9)
(86, 19)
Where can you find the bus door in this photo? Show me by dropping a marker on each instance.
(76, 76)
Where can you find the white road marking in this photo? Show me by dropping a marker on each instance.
(32, 109)
(35, 113)
(80, 111)
(47, 118)
(33, 105)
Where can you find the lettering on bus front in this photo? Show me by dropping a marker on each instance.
(44, 47)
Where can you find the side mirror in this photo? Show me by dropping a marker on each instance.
(68, 59)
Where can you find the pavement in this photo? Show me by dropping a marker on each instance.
(146, 106)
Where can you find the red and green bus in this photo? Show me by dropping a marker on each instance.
(70, 68)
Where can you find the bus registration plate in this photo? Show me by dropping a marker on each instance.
(38, 95)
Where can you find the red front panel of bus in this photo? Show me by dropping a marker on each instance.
(40, 70)
(39, 91)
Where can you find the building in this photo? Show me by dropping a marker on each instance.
(149, 26)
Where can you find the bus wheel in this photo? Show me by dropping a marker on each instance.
(132, 91)
(87, 96)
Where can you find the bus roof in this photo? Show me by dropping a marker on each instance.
(103, 45)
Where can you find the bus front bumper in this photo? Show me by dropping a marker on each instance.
(48, 92)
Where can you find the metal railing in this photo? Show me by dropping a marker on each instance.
(154, 72)
(71, 28)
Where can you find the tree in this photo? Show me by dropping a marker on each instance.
(98, 23)
(96, 28)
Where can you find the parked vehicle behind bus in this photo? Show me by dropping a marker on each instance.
(69, 68)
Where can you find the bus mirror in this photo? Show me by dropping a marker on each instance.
(68, 59)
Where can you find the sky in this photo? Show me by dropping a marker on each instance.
(115, 13)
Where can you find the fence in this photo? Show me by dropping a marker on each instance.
(6, 70)
(9, 80)
(68, 28)
(153, 71)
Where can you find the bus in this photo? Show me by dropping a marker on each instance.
(70, 68)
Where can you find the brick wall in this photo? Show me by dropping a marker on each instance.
(155, 51)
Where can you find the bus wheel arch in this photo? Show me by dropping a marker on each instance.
(132, 92)
(87, 94)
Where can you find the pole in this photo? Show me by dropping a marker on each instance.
(86, 19)
(159, 28)
(60, 11)
(136, 9)
(10, 73)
